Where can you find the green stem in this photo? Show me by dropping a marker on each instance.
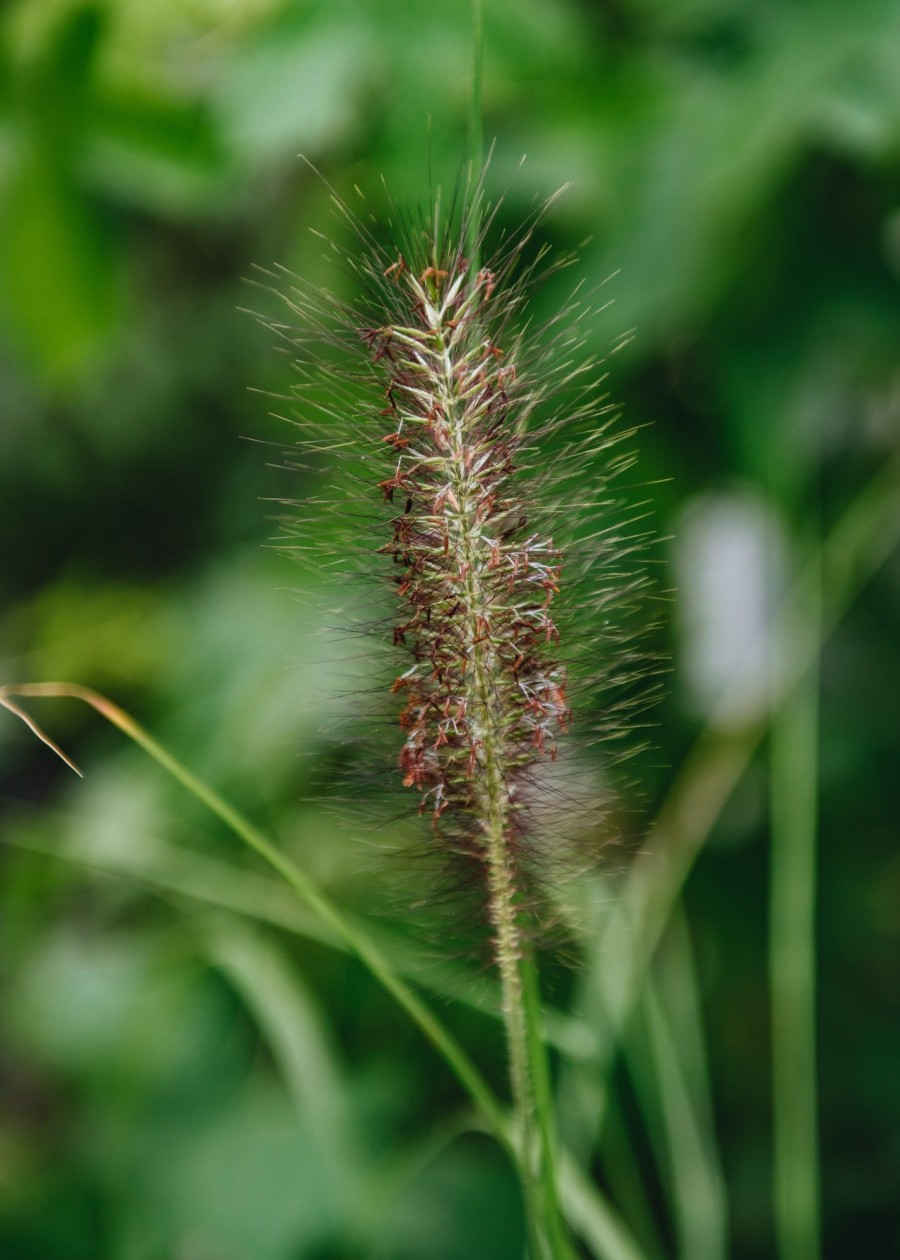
(509, 950)
(792, 952)
(476, 142)
(545, 1109)
(476, 135)
(528, 1068)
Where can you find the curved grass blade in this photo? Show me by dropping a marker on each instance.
(352, 936)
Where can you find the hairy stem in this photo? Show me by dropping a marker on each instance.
(792, 952)
(532, 1105)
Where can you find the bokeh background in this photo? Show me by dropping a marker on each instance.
(182, 1080)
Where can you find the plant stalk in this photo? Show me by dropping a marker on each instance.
(792, 948)
(476, 134)
(533, 1120)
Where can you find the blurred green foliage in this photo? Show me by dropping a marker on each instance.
(174, 1082)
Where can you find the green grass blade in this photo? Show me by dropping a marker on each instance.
(694, 1176)
(792, 951)
(597, 1224)
(331, 915)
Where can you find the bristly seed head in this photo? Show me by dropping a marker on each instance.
(479, 440)
(476, 586)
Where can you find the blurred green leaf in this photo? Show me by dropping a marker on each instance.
(298, 86)
(465, 1201)
(307, 1056)
(57, 261)
(158, 154)
(247, 1182)
(59, 273)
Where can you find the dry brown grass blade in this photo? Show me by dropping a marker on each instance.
(29, 721)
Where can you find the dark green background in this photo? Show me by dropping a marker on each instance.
(737, 166)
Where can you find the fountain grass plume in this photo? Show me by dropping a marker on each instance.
(481, 453)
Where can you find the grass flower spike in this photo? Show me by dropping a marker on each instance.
(455, 434)
(484, 695)
(468, 431)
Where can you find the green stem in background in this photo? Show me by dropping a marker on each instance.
(476, 135)
(851, 553)
(854, 549)
(792, 950)
(542, 1091)
(681, 1081)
